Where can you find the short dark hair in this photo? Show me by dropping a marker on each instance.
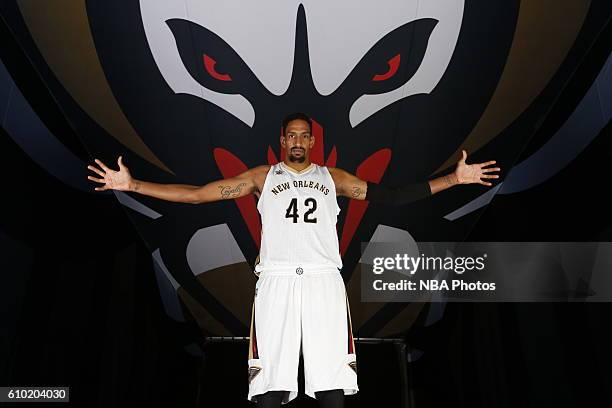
(295, 116)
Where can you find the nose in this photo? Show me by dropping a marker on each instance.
(299, 141)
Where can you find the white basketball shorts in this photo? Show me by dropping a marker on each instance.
(303, 310)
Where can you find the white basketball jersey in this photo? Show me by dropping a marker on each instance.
(298, 211)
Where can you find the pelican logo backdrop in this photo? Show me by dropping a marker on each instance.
(192, 91)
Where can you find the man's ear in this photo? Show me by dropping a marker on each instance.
(282, 140)
(312, 140)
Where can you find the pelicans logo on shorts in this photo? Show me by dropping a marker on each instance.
(253, 371)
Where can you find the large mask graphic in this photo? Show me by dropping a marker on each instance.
(192, 91)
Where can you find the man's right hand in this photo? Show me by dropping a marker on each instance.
(113, 180)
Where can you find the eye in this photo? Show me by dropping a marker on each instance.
(393, 66)
(392, 61)
(209, 65)
(211, 61)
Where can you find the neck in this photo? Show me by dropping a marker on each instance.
(297, 166)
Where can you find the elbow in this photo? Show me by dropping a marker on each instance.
(191, 199)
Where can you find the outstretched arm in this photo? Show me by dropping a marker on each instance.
(235, 187)
(353, 187)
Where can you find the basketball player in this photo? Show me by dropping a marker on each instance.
(300, 304)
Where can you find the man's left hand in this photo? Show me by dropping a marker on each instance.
(475, 173)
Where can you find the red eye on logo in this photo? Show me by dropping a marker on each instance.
(209, 64)
(393, 66)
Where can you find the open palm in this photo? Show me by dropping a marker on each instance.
(475, 173)
(112, 180)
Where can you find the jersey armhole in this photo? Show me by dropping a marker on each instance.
(333, 185)
(263, 188)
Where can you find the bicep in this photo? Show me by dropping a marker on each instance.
(226, 189)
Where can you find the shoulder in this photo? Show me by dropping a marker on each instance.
(333, 170)
(338, 174)
(259, 174)
(263, 169)
(257, 171)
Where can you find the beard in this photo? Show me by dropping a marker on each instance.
(295, 159)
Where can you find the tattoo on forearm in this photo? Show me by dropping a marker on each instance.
(357, 192)
(229, 192)
(137, 185)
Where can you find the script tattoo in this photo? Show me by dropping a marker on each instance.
(357, 192)
(229, 192)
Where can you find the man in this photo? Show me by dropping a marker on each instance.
(300, 303)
